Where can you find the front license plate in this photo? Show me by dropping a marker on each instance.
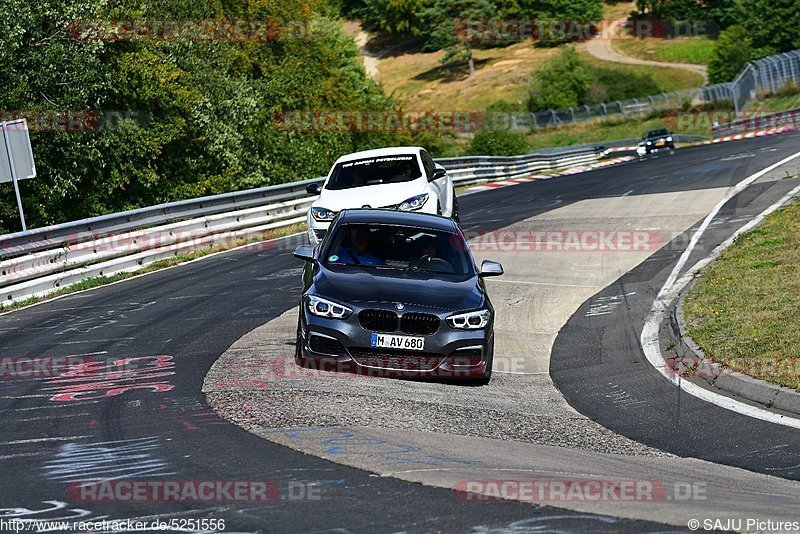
(661, 143)
(398, 342)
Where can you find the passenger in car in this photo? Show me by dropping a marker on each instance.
(358, 252)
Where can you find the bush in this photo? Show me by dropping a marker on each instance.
(495, 140)
(622, 84)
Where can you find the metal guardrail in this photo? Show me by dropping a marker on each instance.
(42, 260)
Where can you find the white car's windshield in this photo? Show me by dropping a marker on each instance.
(657, 133)
(372, 171)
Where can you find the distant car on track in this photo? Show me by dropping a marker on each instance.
(657, 139)
(395, 294)
(401, 178)
(601, 151)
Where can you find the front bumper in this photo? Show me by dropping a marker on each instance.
(316, 230)
(660, 145)
(345, 345)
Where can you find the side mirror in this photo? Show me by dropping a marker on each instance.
(313, 189)
(489, 268)
(305, 252)
(438, 173)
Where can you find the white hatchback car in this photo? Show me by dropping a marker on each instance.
(403, 178)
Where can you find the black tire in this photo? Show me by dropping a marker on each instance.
(486, 377)
(455, 215)
(298, 344)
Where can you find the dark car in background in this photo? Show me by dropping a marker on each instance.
(395, 294)
(657, 139)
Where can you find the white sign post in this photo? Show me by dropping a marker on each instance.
(16, 157)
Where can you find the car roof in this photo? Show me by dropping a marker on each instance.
(378, 152)
(401, 218)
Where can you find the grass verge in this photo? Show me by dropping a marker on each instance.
(662, 79)
(744, 311)
(785, 99)
(696, 50)
(98, 281)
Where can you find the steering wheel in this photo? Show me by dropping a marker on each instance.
(444, 266)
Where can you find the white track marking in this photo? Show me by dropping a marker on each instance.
(40, 440)
(738, 188)
(650, 332)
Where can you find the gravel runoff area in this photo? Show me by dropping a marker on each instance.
(256, 385)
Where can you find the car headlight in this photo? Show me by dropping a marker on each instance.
(473, 320)
(649, 142)
(669, 139)
(322, 214)
(327, 308)
(413, 203)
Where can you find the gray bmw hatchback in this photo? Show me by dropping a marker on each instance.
(395, 294)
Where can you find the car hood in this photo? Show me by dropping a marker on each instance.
(375, 196)
(358, 285)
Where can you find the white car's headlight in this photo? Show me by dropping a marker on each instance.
(327, 308)
(473, 320)
(322, 214)
(413, 203)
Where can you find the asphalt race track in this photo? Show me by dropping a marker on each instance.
(169, 327)
(597, 354)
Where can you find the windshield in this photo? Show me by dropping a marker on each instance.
(404, 248)
(372, 171)
(657, 133)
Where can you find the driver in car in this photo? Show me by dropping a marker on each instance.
(428, 257)
(359, 253)
(405, 172)
(359, 178)
(427, 248)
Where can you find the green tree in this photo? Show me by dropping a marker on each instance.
(731, 51)
(208, 108)
(561, 82)
(398, 17)
(571, 10)
(774, 25)
(445, 28)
